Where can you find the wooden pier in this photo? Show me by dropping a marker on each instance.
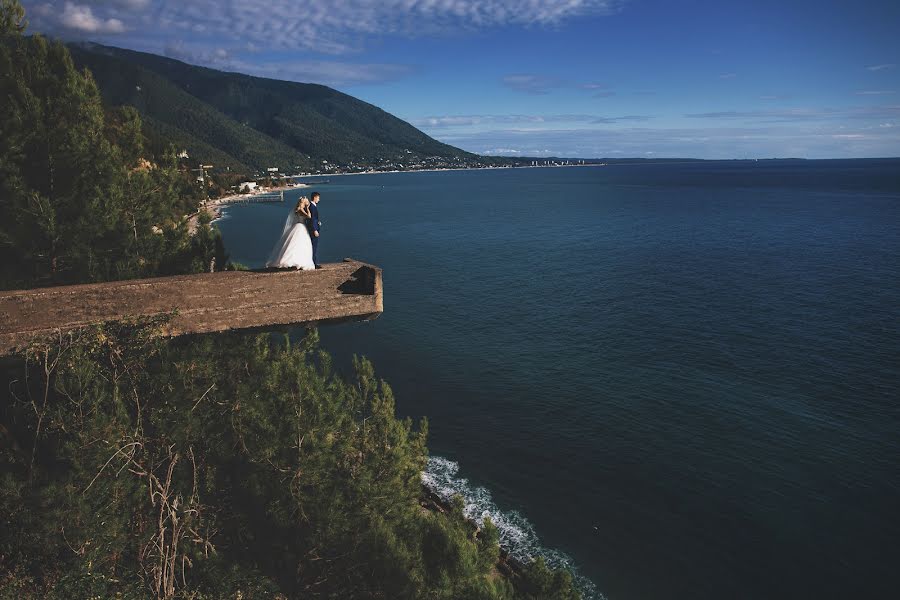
(202, 303)
(255, 198)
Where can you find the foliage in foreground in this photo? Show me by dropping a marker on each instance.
(240, 467)
(136, 467)
(80, 197)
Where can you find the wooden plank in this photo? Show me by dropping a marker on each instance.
(204, 303)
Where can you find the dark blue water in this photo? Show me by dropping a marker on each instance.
(684, 377)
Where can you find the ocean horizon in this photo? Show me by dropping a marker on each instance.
(678, 378)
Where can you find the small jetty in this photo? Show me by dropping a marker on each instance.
(253, 198)
(202, 303)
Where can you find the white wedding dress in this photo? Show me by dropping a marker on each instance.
(294, 249)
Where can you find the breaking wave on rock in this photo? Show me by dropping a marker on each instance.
(517, 535)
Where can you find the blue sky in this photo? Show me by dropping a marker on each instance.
(585, 78)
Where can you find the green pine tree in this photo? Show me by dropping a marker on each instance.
(12, 17)
(80, 199)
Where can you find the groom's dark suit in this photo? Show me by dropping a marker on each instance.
(313, 225)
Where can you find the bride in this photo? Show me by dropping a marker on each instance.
(294, 249)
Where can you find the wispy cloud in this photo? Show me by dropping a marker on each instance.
(600, 90)
(468, 121)
(501, 151)
(537, 83)
(875, 92)
(328, 72)
(782, 115)
(609, 120)
(883, 67)
(132, 4)
(81, 19)
(727, 75)
(318, 25)
(700, 142)
(531, 84)
(202, 30)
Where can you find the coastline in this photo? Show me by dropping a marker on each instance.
(215, 207)
(445, 170)
(519, 542)
(508, 566)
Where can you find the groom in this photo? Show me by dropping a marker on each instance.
(313, 225)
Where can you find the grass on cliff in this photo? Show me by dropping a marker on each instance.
(135, 467)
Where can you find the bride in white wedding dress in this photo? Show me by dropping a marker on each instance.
(294, 249)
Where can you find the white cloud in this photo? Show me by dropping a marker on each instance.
(314, 28)
(536, 83)
(701, 142)
(475, 120)
(883, 67)
(531, 84)
(82, 18)
(326, 72)
(875, 92)
(330, 72)
(783, 115)
(600, 90)
(463, 121)
(322, 25)
(501, 151)
(127, 4)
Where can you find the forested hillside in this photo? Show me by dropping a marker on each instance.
(81, 196)
(241, 465)
(251, 122)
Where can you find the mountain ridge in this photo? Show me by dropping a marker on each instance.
(250, 123)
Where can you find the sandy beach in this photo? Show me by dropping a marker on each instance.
(213, 207)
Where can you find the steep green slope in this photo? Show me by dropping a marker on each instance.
(187, 121)
(258, 122)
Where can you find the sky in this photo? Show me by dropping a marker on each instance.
(573, 78)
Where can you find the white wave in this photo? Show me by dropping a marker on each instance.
(517, 535)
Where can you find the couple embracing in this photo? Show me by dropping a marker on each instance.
(298, 247)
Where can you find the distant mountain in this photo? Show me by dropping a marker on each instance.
(249, 123)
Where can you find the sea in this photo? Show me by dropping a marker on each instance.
(678, 379)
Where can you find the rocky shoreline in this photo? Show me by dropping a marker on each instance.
(511, 568)
(214, 207)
